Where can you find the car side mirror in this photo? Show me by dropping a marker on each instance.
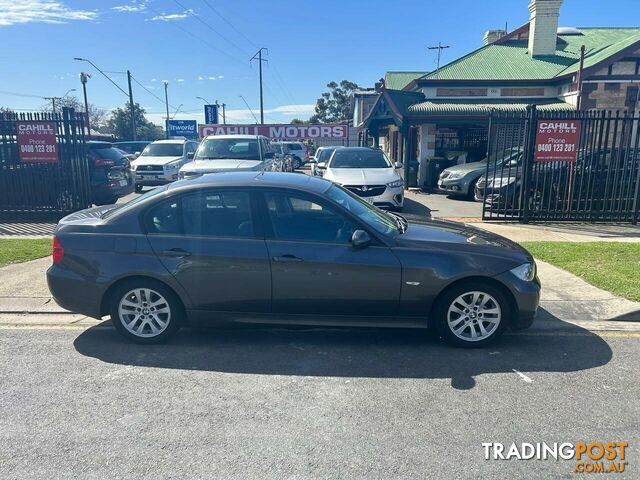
(313, 159)
(321, 165)
(190, 155)
(360, 239)
(397, 165)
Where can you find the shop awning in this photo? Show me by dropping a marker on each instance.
(481, 107)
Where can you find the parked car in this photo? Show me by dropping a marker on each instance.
(289, 249)
(460, 180)
(110, 173)
(160, 161)
(368, 173)
(297, 150)
(132, 148)
(322, 155)
(221, 153)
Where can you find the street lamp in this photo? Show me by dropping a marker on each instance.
(53, 99)
(166, 101)
(84, 77)
(207, 102)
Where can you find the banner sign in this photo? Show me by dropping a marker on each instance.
(278, 132)
(210, 114)
(182, 128)
(557, 140)
(37, 142)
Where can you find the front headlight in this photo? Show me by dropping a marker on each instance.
(526, 271)
(133, 167)
(502, 181)
(455, 175)
(395, 184)
(172, 165)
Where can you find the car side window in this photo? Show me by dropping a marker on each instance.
(218, 214)
(298, 218)
(164, 218)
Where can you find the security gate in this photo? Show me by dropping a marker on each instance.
(44, 171)
(562, 166)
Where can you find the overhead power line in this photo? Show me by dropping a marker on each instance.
(150, 92)
(238, 31)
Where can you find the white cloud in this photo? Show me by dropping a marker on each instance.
(211, 78)
(133, 7)
(170, 17)
(180, 80)
(200, 77)
(282, 114)
(220, 76)
(40, 11)
(154, 79)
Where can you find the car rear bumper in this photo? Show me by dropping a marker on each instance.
(72, 292)
(526, 296)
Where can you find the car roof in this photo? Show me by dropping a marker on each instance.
(238, 136)
(131, 141)
(295, 181)
(173, 140)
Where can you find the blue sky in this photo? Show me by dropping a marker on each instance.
(202, 47)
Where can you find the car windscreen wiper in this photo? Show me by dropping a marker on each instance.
(402, 222)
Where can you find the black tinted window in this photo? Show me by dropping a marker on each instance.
(295, 146)
(108, 153)
(222, 214)
(300, 219)
(164, 218)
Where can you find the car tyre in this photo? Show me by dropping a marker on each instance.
(472, 314)
(471, 195)
(145, 311)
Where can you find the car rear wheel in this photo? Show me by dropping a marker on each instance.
(472, 314)
(145, 311)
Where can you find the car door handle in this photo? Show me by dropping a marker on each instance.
(287, 259)
(176, 252)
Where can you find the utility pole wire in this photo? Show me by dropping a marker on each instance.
(251, 111)
(206, 2)
(206, 24)
(151, 93)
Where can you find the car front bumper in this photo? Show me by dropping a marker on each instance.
(390, 198)
(526, 296)
(156, 177)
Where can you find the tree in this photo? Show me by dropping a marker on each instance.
(335, 105)
(119, 124)
(97, 116)
(298, 121)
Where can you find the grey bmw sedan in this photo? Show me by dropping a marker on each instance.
(285, 248)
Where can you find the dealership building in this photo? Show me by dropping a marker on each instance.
(421, 116)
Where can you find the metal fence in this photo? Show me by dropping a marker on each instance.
(47, 188)
(601, 183)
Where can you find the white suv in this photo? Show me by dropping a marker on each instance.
(160, 162)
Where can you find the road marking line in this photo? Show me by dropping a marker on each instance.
(523, 376)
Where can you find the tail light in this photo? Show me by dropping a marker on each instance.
(57, 251)
(100, 162)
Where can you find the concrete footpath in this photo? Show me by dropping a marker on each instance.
(566, 300)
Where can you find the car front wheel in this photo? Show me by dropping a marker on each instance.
(145, 311)
(472, 314)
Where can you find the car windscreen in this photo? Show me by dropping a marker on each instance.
(163, 150)
(130, 147)
(107, 152)
(324, 154)
(346, 158)
(131, 203)
(372, 216)
(228, 149)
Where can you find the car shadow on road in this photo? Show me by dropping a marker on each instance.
(415, 211)
(379, 353)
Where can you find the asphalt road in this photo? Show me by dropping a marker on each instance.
(274, 403)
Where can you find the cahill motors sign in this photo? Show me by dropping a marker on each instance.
(278, 132)
(37, 142)
(557, 140)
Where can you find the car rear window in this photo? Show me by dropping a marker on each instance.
(106, 152)
(294, 146)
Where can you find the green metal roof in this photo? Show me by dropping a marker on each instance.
(481, 107)
(510, 60)
(399, 80)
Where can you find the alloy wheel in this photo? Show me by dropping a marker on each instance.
(144, 312)
(474, 316)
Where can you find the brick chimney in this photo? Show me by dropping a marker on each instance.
(543, 27)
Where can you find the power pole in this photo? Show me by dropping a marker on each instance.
(53, 102)
(133, 113)
(260, 60)
(166, 102)
(224, 116)
(438, 47)
(83, 79)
